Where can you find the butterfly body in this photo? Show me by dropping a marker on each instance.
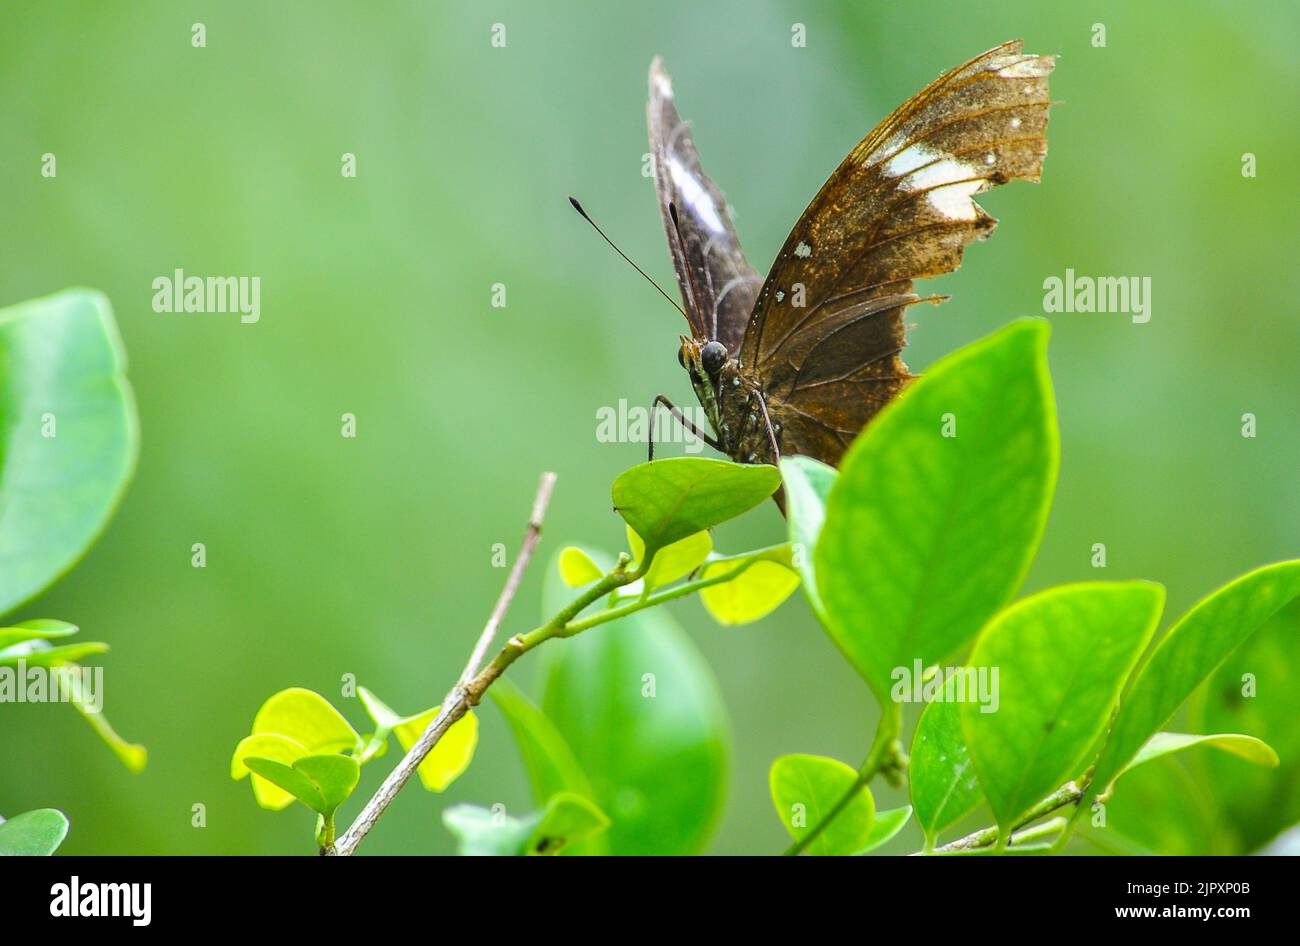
(800, 361)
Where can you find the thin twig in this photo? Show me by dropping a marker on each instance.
(1067, 794)
(467, 691)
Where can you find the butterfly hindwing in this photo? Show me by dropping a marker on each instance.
(710, 264)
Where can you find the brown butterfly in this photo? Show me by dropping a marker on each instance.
(800, 362)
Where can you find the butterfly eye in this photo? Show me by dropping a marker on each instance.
(713, 356)
(681, 357)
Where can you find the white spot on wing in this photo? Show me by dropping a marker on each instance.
(803, 250)
(948, 180)
(695, 196)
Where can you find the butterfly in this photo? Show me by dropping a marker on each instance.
(799, 362)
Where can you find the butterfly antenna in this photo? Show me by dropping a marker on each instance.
(578, 207)
(690, 279)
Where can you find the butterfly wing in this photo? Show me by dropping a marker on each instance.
(717, 282)
(825, 339)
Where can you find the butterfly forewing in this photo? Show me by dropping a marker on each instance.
(717, 282)
(824, 339)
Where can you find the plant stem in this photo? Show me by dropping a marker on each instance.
(885, 753)
(1067, 794)
(456, 703)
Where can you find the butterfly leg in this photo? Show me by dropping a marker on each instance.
(681, 419)
(771, 434)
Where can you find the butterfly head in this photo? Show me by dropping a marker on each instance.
(702, 360)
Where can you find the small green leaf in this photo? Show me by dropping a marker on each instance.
(43, 629)
(943, 783)
(1164, 743)
(639, 707)
(753, 594)
(289, 780)
(887, 825)
(806, 787)
(335, 776)
(307, 718)
(379, 711)
(38, 653)
(567, 820)
(577, 568)
(61, 364)
(35, 833)
(808, 485)
(672, 561)
(275, 748)
(1062, 657)
(940, 505)
(450, 757)
(132, 755)
(484, 833)
(667, 500)
(321, 782)
(1189, 653)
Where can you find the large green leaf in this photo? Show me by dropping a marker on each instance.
(808, 485)
(943, 783)
(667, 500)
(805, 788)
(62, 371)
(1255, 691)
(1062, 657)
(640, 708)
(33, 833)
(927, 535)
(1188, 654)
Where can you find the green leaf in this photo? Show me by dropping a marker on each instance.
(41, 629)
(672, 561)
(577, 568)
(1189, 653)
(484, 833)
(130, 754)
(450, 757)
(1062, 657)
(566, 820)
(321, 782)
(1254, 691)
(62, 369)
(274, 748)
(887, 825)
(639, 707)
(379, 711)
(927, 536)
(569, 819)
(943, 783)
(1164, 743)
(35, 833)
(38, 653)
(550, 763)
(753, 594)
(667, 500)
(808, 485)
(806, 787)
(307, 718)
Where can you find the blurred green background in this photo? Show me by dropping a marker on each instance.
(372, 556)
